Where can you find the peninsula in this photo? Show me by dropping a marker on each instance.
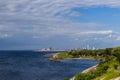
(107, 69)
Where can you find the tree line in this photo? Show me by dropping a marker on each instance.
(86, 52)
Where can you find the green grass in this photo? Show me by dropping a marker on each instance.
(109, 75)
(111, 72)
(64, 55)
(104, 71)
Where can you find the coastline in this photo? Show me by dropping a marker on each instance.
(89, 69)
(107, 69)
(54, 57)
(86, 70)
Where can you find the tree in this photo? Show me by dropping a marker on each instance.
(108, 51)
(116, 53)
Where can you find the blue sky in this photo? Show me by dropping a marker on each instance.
(37, 24)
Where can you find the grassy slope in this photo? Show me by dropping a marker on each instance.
(64, 55)
(111, 72)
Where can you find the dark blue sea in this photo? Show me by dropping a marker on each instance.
(30, 65)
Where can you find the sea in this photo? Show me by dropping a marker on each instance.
(32, 65)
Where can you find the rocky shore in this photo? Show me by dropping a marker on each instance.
(54, 57)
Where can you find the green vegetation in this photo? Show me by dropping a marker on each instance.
(84, 53)
(116, 53)
(64, 55)
(101, 69)
(108, 68)
(111, 72)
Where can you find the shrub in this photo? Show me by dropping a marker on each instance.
(82, 76)
(116, 53)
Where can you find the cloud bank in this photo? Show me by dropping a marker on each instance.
(46, 18)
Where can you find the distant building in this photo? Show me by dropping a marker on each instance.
(46, 49)
(77, 49)
(93, 48)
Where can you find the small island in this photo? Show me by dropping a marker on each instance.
(107, 69)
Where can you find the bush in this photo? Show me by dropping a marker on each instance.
(102, 68)
(82, 76)
(115, 66)
(116, 53)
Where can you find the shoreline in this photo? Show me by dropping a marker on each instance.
(86, 70)
(89, 69)
(54, 57)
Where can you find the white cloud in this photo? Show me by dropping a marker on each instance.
(97, 32)
(50, 8)
(118, 38)
(110, 36)
(40, 15)
(4, 35)
(103, 36)
(44, 18)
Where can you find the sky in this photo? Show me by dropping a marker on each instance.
(60, 24)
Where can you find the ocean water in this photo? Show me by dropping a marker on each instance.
(30, 65)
